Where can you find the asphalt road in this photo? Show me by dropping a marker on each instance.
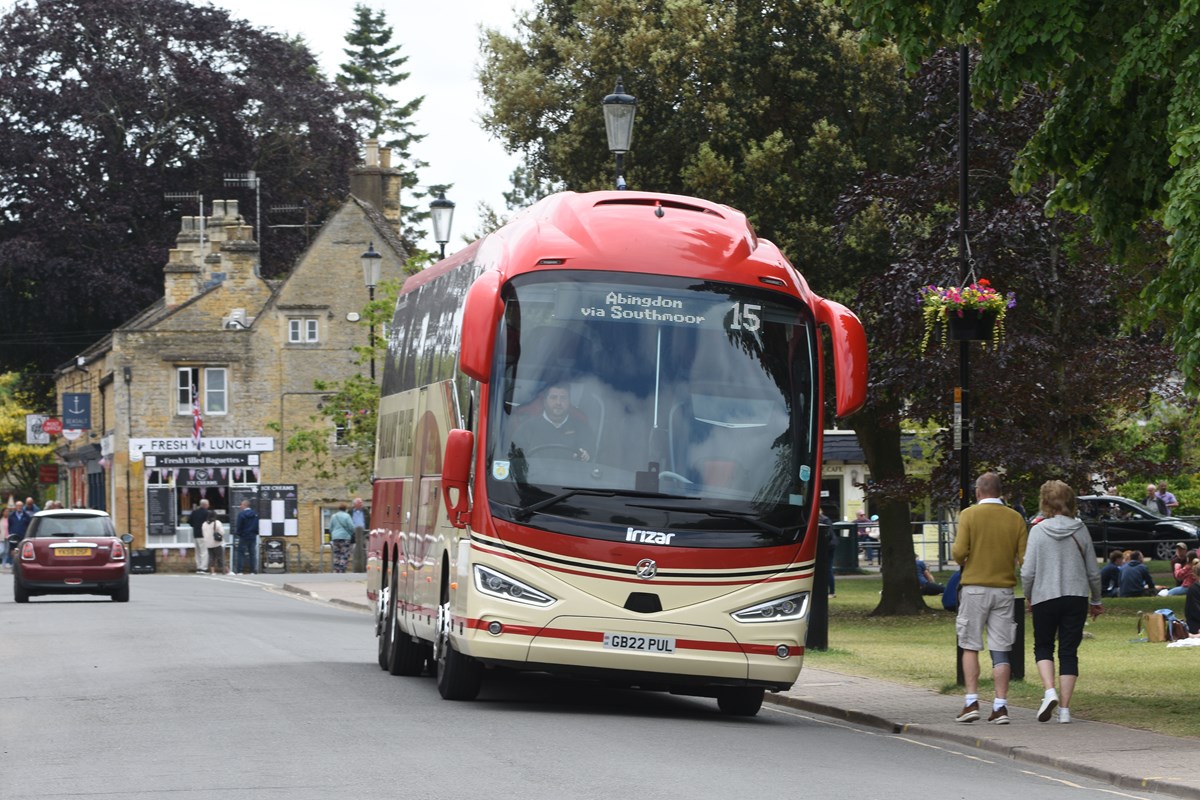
(228, 688)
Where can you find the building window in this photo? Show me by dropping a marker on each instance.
(302, 330)
(212, 389)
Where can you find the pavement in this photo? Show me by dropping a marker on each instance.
(1123, 757)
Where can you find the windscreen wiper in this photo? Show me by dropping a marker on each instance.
(750, 519)
(525, 512)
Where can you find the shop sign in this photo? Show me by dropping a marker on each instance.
(212, 445)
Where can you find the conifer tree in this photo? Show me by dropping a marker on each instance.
(372, 73)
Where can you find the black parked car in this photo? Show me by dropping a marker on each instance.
(1117, 523)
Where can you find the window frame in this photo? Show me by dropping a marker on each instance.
(214, 400)
(303, 330)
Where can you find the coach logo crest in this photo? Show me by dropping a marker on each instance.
(647, 568)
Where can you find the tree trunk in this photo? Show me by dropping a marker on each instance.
(878, 430)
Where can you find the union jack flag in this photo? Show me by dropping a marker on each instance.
(197, 422)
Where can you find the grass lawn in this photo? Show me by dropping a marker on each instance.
(1121, 679)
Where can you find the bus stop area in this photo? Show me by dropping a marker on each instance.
(1124, 757)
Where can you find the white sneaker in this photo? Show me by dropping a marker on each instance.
(1047, 708)
(1064, 715)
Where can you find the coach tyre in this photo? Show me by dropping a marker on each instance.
(383, 622)
(459, 677)
(740, 701)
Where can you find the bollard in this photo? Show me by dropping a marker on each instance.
(1016, 655)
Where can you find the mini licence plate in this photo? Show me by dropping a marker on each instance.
(73, 551)
(639, 642)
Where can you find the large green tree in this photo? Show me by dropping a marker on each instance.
(373, 72)
(769, 107)
(106, 106)
(1120, 140)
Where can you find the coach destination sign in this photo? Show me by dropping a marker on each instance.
(214, 445)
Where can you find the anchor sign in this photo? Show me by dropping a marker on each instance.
(77, 410)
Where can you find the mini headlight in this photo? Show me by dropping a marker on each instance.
(496, 584)
(794, 606)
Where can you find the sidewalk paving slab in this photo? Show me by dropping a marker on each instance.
(1123, 757)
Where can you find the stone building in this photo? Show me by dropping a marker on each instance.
(247, 351)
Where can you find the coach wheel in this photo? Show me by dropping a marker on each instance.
(384, 622)
(404, 656)
(740, 701)
(459, 677)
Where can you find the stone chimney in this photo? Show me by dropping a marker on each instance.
(181, 277)
(375, 182)
(238, 267)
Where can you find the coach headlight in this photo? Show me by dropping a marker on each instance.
(496, 584)
(794, 606)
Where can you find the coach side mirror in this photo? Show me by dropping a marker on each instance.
(481, 313)
(849, 354)
(456, 476)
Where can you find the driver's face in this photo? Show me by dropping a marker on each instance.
(558, 403)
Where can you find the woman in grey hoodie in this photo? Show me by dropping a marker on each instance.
(1059, 575)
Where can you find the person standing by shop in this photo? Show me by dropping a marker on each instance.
(196, 519)
(341, 536)
(245, 527)
(990, 544)
(1060, 576)
(358, 513)
(214, 542)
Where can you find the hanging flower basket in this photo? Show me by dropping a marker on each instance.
(968, 313)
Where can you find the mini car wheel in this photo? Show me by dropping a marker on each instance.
(121, 595)
(20, 593)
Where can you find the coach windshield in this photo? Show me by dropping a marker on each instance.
(670, 405)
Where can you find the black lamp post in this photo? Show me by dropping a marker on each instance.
(442, 212)
(372, 263)
(618, 124)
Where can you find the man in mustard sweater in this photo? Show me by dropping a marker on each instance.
(989, 546)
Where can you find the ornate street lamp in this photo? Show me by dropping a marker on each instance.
(442, 212)
(619, 109)
(372, 264)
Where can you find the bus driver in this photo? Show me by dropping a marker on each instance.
(556, 432)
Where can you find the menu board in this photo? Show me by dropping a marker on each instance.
(160, 511)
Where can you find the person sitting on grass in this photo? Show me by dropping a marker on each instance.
(925, 579)
(1110, 575)
(1135, 578)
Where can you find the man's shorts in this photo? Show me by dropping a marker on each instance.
(988, 607)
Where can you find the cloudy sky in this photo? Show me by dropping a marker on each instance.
(441, 40)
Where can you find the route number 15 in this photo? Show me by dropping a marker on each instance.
(745, 317)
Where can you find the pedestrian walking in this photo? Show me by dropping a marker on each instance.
(989, 546)
(1062, 586)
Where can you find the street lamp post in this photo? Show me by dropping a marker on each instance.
(619, 109)
(442, 212)
(371, 265)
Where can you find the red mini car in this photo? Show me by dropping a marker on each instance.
(71, 551)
